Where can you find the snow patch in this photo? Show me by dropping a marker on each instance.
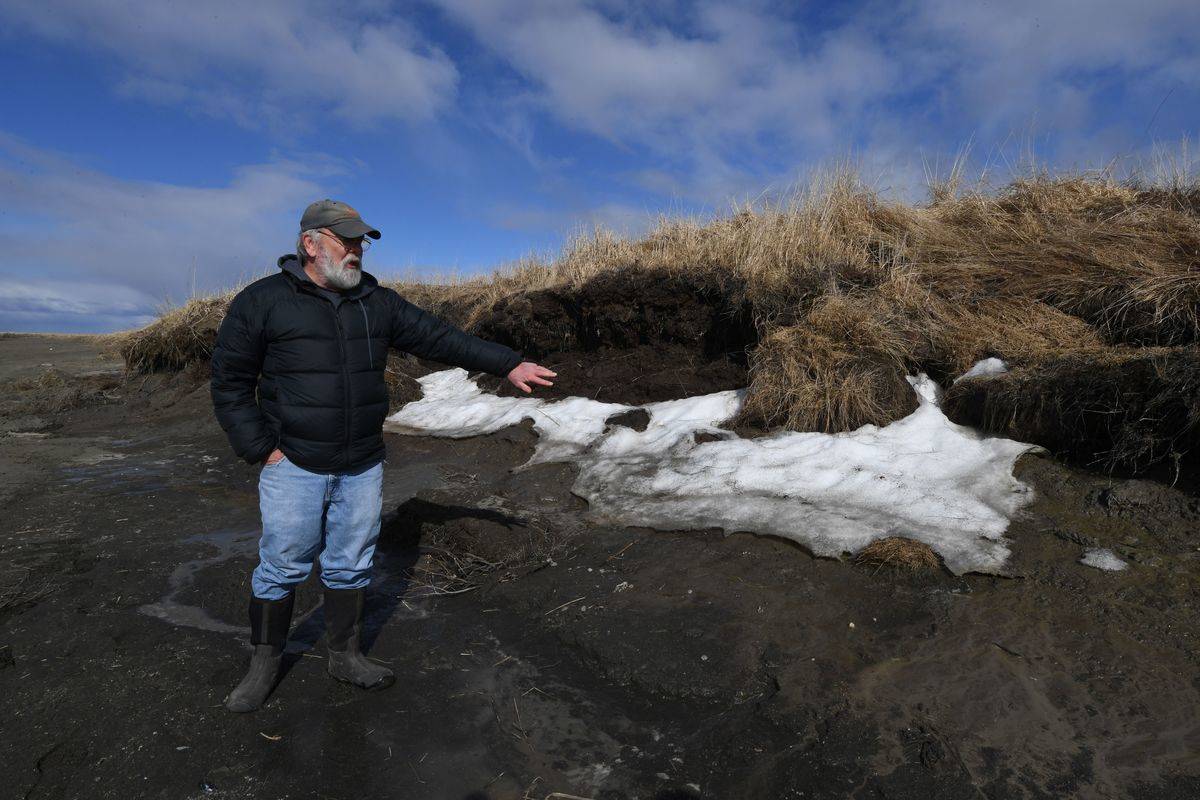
(985, 368)
(1102, 558)
(922, 477)
(453, 405)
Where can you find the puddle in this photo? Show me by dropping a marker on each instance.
(101, 470)
(102, 467)
(389, 581)
(229, 544)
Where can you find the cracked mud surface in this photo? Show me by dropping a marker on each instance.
(635, 663)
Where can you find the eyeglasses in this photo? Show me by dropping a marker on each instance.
(349, 244)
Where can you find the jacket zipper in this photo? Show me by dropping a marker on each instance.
(337, 321)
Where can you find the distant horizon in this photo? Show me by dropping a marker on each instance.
(474, 134)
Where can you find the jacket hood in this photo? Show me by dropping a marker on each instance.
(290, 265)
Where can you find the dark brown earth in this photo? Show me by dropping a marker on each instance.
(596, 662)
(629, 336)
(1130, 412)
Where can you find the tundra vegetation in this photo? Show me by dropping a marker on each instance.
(1087, 286)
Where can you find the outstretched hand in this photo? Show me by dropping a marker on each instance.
(528, 372)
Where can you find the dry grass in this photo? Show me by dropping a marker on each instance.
(849, 292)
(177, 339)
(898, 553)
(842, 368)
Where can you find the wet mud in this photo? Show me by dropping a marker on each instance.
(604, 663)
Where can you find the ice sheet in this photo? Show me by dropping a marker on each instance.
(922, 477)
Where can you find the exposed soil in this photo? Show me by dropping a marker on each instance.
(629, 336)
(625, 337)
(595, 661)
(1133, 412)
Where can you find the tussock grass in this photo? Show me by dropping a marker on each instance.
(900, 554)
(850, 292)
(839, 369)
(179, 338)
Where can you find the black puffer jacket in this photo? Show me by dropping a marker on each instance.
(321, 396)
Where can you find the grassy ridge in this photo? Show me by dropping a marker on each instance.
(849, 293)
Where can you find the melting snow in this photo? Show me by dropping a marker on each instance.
(1102, 558)
(985, 368)
(922, 477)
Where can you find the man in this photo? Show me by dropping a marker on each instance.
(298, 386)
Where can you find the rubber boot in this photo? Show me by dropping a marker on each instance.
(343, 629)
(269, 623)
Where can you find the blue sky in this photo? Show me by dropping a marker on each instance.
(149, 149)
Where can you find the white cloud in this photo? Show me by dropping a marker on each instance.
(44, 297)
(38, 305)
(80, 242)
(728, 96)
(259, 62)
(1004, 60)
(738, 75)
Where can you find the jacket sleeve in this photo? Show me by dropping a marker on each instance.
(237, 360)
(427, 336)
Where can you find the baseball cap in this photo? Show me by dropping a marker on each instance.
(338, 217)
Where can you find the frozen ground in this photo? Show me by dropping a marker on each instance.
(922, 477)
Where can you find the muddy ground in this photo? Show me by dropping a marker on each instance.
(602, 663)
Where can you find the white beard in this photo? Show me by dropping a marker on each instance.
(337, 274)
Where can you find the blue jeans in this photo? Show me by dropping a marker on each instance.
(306, 515)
